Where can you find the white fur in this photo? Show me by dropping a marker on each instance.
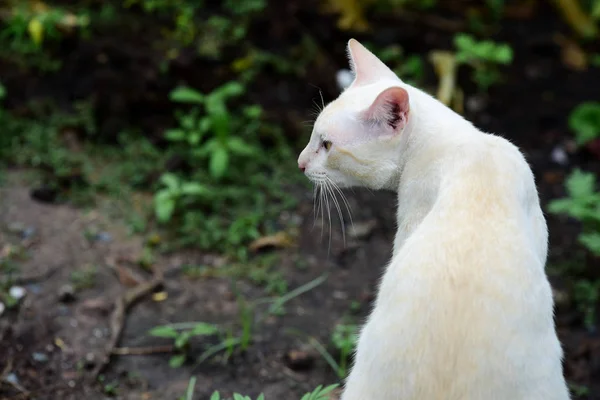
(464, 308)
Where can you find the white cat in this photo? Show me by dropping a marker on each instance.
(464, 309)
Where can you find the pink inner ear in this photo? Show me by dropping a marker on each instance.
(366, 66)
(390, 107)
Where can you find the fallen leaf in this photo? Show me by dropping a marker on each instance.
(351, 14)
(278, 240)
(160, 296)
(572, 55)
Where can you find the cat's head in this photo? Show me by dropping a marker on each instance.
(355, 140)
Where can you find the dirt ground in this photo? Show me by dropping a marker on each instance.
(52, 342)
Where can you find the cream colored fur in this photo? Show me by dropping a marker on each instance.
(464, 309)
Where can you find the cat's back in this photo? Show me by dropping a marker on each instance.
(471, 280)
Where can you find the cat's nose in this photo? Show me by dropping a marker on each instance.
(302, 167)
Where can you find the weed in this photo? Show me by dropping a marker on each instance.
(189, 393)
(181, 334)
(586, 295)
(320, 393)
(84, 279)
(583, 204)
(584, 120)
(28, 27)
(230, 192)
(484, 57)
(344, 339)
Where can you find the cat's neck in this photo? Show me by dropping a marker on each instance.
(436, 133)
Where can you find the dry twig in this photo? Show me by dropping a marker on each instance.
(117, 318)
(142, 351)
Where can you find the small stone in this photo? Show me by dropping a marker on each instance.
(39, 357)
(299, 359)
(66, 293)
(559, 156)
(17, 292)
(28, 232)
(89, 361)
(12, 378)
(104, 237)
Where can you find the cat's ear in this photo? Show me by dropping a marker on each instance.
(366, 66)
(389, 110)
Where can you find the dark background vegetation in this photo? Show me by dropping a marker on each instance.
(156, 238)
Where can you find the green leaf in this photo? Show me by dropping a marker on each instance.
(189, 393)
(230, 89)
(261, 397)
(580, 184)
(177, 361)
(238, 146)
(504, 54)
(184, 94)
(194, 189)
(2, 91)
(203, 328)
(219, 159)
(237, 396)
(164, 206)
(560, 206)
(164, 331)
(188, 121)
(182, 339)
(171, 181)
(591, 241)
(204, 125)
(215, 396)
(584, 120)
(253, 112)
(175, 134)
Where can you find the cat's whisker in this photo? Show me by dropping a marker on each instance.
(327, 193)
(343, 196)
(332, 190)
(322, 100)
(315, 203)
(322, 207)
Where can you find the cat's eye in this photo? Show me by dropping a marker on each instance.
(327, 144)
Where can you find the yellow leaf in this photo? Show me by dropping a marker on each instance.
(278, 240)
(351, 14)
(160, 296)
(36, 31)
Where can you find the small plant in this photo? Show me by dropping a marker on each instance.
(236, 396)
(173, 193)
(28, 27)
(583, 204)
(586, 294)
(584, 120)
(84, 279)
(344, 340)
(230, 190)
(484, 57)
(215, 126)
(182, 333)
(320, 393)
